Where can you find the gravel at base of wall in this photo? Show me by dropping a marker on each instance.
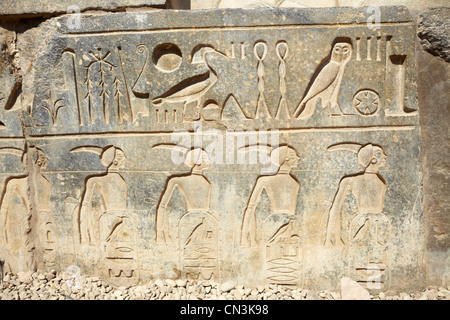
(63, 286)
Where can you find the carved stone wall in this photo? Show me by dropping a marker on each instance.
(263, 146)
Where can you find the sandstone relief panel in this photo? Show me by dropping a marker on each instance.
(223, 147)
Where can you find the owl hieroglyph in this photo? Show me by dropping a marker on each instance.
(327, 83)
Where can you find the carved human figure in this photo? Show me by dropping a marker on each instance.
(112, 231)
(111, 188)
(194, 187)
(368, 188)
(19, 224)
(281, 188)
(327, 83)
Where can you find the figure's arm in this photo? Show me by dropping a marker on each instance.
(12, 187)
(83, 222)
(334, 218)
(4, 212)
(248, 232)
(162, 223)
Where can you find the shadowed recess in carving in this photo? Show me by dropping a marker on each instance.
(167, 57)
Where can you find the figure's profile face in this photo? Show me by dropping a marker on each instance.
(41, 160)
(379, 156)
(342, 51)
(292, 158)
(119, 159)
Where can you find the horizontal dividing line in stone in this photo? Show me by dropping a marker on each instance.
(208, 133)
(341, 129)
(11, 138)
(221, 28)
(171, 172)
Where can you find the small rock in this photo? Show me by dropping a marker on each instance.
(304, 293)
(24, 277)
(41, 276)
(335, 295)
(227, 286)
(181, 283)
(171, 283)
(237, 295)
(159, 283)
(432, 294)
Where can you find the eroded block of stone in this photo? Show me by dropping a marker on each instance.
(265, 146)
(36, 7)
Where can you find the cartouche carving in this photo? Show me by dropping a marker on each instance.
(326, 85)
(198, 234)
(283, 252)
(119, 248)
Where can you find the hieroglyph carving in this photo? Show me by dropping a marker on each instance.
(282, 50)
(327, 83)
(191, 90)
(369, 232)
(262, 111)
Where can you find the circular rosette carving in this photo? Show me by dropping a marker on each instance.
(366, 102)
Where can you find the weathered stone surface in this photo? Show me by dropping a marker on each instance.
(210, 4)
(352, 290)
(434, 94)
(36, 7)
(221, 145)
(434, 31)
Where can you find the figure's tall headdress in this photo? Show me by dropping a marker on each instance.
(106, 154)
(192, 156)
(277, 154)
(23, 154)
(365, 152)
